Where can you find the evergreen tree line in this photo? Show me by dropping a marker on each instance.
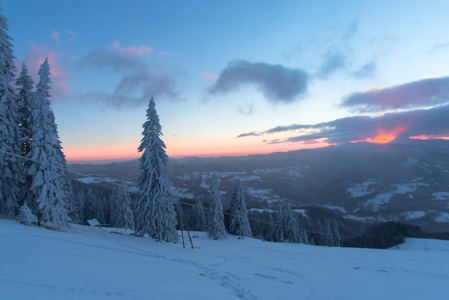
(385, 235)
(283, 225)
(34, 182)
(111, 208)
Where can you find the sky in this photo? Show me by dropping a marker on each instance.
(237, 77)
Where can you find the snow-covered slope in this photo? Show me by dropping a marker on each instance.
(92, 263)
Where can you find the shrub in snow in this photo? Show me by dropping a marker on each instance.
(25, 215)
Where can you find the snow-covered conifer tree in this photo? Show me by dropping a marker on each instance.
(291, 230)
(280, 228)
(197, 219)
(336, 233)
(89, 204)
(11, 174)
(215, 227)
(271, 228)
(80, 200)
(123, 216)
(329, 236)
(49, 189)
(157, 216)
(239, 224)
(25, 99)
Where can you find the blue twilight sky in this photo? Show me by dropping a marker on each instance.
(237, 77)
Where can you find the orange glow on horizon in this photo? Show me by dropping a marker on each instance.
(183, 147)
(384, 136)
(429, 137)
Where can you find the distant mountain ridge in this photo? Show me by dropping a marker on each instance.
(405, 181)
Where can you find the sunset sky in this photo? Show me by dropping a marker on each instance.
(237, 77)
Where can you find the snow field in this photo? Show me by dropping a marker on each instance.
(94, 263)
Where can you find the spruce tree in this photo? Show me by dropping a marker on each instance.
(336, 233)
(215, 227)
(279, 235)
(291, 230)
(123, 214)
(157, 216)
(11, 174)
(48, 193)
(239, 224)
(25, 99)
(197, 219)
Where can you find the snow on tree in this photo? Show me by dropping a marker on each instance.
(291, 230)
(157, 216)
(49, 189)
(197, 218)
(271, 229)
(80, 200)
(26, 216)
(239, 224)
(329, 235)
(336, 233)
(25, 99)
(215, 227)
(123, 214)
(89, 204)
(280, 220)
(11, 175)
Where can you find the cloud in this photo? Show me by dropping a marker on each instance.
(367, 70)
(209, 76)
(333, 62)
(139, 80)
(132, 50)
(248, 134)
(58, 68)
(431, 122)
(423, 93)
(278, 83)
(66, 36)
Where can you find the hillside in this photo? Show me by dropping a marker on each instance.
(93, 263)
(406, 181)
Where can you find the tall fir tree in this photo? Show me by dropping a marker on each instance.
(11, 174)
(215, 227)
(49, 189)
(157, 216)
(239, 224)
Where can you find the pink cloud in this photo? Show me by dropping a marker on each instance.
(55, 35)
(64, 35)
(133, 50)
(209, 76)
(59, 74)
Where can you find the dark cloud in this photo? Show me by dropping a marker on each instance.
(402, 125)
(333, 62)
(278, 83)
(248, 134)
(138, 83)
(423, 93)
(367, 70)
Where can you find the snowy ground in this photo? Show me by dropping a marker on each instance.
(91, 263)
